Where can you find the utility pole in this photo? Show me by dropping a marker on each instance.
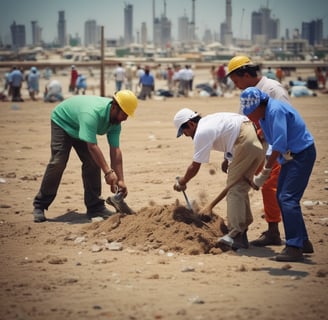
(102, 65)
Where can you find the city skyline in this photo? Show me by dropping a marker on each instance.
(110, 13)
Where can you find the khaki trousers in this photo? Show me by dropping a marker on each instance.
(248, 155)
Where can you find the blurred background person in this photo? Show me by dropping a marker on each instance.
(33, 83)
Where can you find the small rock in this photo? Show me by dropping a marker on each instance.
(97, 219)
(196, 300)
(188, 269)
(79, 240)
(321, 273)
(114, 246)
(286, 267)
(96, 248)
(309, 204)
(57, 260)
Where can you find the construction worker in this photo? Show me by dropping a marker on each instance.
(234, 134)
(244, 73)
(293, 146)
(76, 122)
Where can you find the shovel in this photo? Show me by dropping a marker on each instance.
(185, 196)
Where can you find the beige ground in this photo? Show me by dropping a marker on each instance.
(62, 269)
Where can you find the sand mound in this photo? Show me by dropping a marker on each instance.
(170, 228)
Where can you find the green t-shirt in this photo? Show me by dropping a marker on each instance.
(85, 117)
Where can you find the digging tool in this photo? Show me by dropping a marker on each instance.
(208, 209)
(187, 200)
(185, 196)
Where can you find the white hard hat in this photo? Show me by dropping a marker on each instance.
(181, 117)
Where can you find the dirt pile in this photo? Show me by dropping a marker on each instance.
(169, 227)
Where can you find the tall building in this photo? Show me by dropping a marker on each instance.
(90, 33)
(144, 34)
(128, 24)
(192, 25)
(18, 35)
(36, 33)
(263, 27)
(183, 29)
(226, 27)
(61, 28)
(313, 31)
(162, 29)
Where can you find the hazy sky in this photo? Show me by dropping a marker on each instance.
(110, 14)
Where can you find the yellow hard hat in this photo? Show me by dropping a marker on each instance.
(238, 62)
(127, 101)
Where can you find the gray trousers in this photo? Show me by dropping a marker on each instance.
(61, 145)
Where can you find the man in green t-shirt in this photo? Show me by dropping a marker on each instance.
(76, 122)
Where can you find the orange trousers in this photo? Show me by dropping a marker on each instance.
(270, 202)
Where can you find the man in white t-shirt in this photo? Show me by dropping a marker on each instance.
(235, 135)
(119, 75)
(53, 92)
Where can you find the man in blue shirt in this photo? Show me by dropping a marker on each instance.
(147, 83)
(293, 146)
(15, 80)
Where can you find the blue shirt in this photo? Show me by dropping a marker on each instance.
(285, 129)
(16, 78)
(147, 80)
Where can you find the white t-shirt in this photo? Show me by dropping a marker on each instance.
(218, 131)
(273, 88)
(119, 74)
(54, 87)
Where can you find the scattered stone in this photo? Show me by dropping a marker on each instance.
(188, 269)
(114, 246)
(80, 240)
(321, 273)
(28, 178)
(57, 260)
(196, 300)
(242, 268)
(181, 312)
(5, 206)
(97, 307)
(97, 219)
(286, 267)
(96, 248)
(11, 175)
(323, 221)
(309, 204)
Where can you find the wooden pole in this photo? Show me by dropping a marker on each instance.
(102, 66)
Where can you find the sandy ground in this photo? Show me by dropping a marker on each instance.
(160, 263)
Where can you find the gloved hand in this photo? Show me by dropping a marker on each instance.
(179, 187)
(260, 179)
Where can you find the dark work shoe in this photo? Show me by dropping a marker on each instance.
(267, 239)
(239, 242)
(290, 254)
(307, 246)
(119, 204)
(102, 212)
(38, 215)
